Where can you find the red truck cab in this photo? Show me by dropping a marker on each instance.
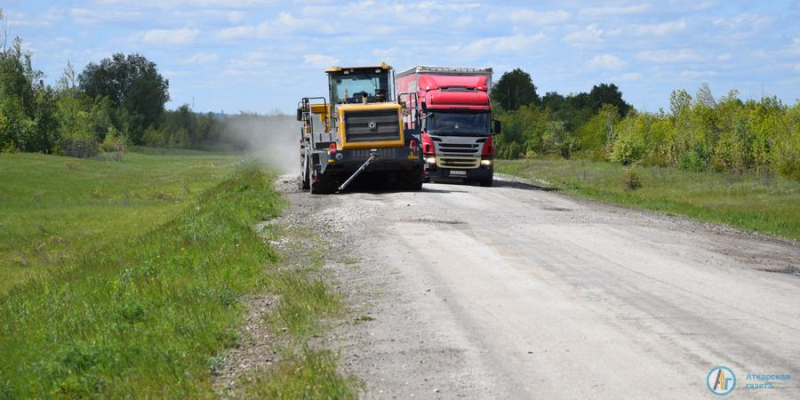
(450, 108)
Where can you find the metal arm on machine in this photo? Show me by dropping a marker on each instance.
(373, 155)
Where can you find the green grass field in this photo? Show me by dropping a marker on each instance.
(55, 209)
(747, 202)
(126, 280)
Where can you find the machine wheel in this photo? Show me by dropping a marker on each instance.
(305, 174)
(322, 186)
(487, 182)
(411, 180)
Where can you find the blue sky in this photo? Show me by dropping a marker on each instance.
(263, 55)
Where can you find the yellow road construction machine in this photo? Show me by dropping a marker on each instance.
(357, 132)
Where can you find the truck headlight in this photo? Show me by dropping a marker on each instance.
(430, 160)
(486, 163)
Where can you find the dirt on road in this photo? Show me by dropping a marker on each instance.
(516, 292)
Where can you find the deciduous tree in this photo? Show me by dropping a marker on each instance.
(515, 89)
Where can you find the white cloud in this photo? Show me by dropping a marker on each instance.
(608, 11)
(236, 32)
(172, 4)
(697, 74)
(87, 16)
(630, 76)
(669, 56)
(235, 17)
(283, 24)
(174, 74)
(797, 67)
(45, 19)
(252, 60)
(607, 61)
(525, 16)
(502, 45)
(744, 22)
(249, 62)
(589, 34)
(386, 55)
(463, 21)
(724, 57)
(663, 29)
(320, 61)
(201, 58)
(157, 37)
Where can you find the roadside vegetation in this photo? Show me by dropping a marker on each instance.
(150, 308)
(99, 111)
(699, 134)
(124, 270)
(55, 210)
(722, 160)
(746, 201)
(307, 305)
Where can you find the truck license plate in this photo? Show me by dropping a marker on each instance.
(458, 173)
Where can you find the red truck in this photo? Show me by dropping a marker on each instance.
(450, 110)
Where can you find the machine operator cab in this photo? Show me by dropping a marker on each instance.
(360, 85)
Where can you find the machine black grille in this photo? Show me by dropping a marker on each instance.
(371, 126)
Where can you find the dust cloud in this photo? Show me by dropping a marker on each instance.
(274, 140)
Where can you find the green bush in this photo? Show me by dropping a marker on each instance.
(78, 147)
(631, 179)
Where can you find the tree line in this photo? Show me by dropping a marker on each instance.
(117, 102)
(697, 133)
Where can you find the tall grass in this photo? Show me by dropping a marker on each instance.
(305, 373)
(55, 209)
(146, 316)
(746, 201)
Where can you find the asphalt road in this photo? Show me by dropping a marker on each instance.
(517, 292)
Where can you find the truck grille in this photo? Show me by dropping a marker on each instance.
(459, 149)
(371, 126)
(458, 162)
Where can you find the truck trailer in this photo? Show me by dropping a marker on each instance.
(451, 111)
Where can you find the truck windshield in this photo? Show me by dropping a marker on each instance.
(350, 88)
(458, 123)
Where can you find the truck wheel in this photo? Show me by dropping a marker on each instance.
(487, 182)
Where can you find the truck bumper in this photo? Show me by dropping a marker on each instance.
(476, 174)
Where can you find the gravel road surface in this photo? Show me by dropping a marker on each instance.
(517, 292)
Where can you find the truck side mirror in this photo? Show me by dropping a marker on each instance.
(497, 127)
(299, 114)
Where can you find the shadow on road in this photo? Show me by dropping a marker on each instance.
(523, 185)
(497, 183)
(375, 186)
